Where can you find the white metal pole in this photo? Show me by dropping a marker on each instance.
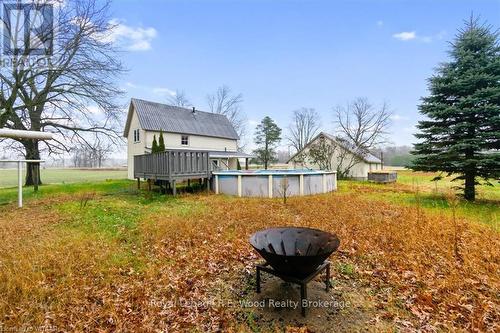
(16, 134)
(19, 184)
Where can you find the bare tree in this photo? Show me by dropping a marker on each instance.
(361, 124)
(303, 128)
(224, 102)
(320, 152)
(284, 188)
(92, 155)
(76, 92)
(331, 153)
(101, 148)
(283, 156)
(179, 99)
(82, 157)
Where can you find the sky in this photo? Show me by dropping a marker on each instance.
(282, 55)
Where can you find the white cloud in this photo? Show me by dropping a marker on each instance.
(380, 23)
(131, 38)
(405, 35)
(163, 91)
(253, 122)
(412, 35)
(397, 117)
(159, 91)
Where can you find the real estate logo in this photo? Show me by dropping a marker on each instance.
(27, 33)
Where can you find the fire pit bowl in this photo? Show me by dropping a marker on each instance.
(295, 252)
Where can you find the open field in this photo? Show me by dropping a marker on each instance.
(8, 177)
(103, 256)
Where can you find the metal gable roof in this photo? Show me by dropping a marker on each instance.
(156, 116)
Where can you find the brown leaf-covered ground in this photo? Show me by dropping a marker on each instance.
(107, 258)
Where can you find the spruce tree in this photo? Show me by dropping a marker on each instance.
(161, 142)
(267, 136)
(154, 146)
(461, 133)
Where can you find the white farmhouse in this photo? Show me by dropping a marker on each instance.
(355, 162)
(182, 128)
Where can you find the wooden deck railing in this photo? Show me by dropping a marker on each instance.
(172, 165)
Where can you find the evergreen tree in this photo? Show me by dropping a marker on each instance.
(461, 135)
(267, 136)
(161, 142)
(154, 146)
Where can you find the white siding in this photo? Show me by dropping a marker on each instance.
(358, 171)
(134, 148)
(172, 141)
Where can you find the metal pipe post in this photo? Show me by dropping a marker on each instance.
(19, 184)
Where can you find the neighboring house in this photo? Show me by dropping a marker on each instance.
(336, 154)
(182, 128)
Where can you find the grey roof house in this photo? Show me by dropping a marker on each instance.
(183, 128)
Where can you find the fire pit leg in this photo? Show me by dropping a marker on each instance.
(303, 298)
(327, 282)
(257, 280)
(302, 282)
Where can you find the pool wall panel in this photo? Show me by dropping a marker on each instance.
(255, 186)
(278, 185)
(313, 184)
(331, 182)
(228, 185)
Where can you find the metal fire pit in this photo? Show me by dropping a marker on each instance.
(296, 255)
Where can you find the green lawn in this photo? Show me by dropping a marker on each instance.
(412, 188)
(423, 181)
(8, 177)
(418, 189)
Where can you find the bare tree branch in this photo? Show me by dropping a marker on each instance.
(303, 128)
(179, 99)
(362, 125)
(224, 102)
(77, 92)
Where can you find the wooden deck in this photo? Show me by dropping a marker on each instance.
(173, 166)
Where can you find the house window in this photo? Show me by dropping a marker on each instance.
(185, 140)
(136, 136)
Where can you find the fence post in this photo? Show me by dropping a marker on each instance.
(19, 184)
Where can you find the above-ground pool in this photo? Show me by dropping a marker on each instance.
(274, 183)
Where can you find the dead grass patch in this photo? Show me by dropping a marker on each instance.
(121, 264)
